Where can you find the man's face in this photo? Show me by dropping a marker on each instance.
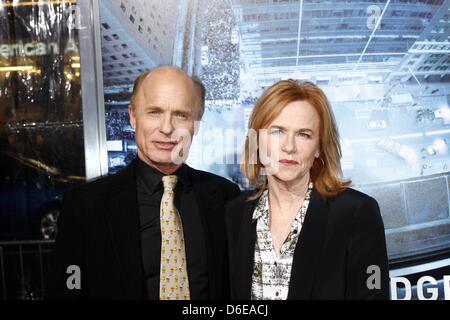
(163, 117)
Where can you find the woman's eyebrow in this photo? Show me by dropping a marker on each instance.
(283, 128)
(305, 130)
(277, 127)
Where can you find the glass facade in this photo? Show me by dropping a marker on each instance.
(41, 124)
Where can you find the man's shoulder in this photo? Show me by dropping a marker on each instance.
(244, 197)
(239, 207)
(207, 179)
(102, 184)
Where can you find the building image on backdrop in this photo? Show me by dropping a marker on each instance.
(384, 66)
(66, 83)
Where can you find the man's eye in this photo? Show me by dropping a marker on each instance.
(153, 112)
(182, 116)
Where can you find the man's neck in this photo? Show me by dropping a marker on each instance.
(166, 169)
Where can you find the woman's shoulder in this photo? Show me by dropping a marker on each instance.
(354, 196)
(356, 204)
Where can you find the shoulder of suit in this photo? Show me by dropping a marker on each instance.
(353, 195)
(238, 208)
(240, 201)
(362, 210)
(102, 183)
(350, 200)
(204, 176)
(349, 195)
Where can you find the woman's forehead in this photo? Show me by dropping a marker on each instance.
(297, 114)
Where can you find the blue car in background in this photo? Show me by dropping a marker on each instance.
(30, 197)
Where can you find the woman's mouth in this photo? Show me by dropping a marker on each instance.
(288, 162)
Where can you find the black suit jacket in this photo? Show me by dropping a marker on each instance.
(99, 231)
(339, 240)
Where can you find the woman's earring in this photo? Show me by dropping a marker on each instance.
(323, 163)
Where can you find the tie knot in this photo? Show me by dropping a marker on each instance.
(169, 182)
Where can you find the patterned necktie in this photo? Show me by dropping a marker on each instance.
(173, 280)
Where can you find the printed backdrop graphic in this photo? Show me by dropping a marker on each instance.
(384, 66)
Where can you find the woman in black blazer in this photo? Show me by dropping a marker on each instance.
(303, 233)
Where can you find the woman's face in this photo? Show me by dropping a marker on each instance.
(289, 144)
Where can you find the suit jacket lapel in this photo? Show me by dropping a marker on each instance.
(308, 249)
(122, 215)
(245, 253)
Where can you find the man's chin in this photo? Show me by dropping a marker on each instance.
(163, 166)
(163, 157)
(163, 162)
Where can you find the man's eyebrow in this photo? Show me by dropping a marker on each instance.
(176, 111)
(152, 108)
(181, 111)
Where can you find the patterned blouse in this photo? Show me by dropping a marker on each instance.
(271, 274)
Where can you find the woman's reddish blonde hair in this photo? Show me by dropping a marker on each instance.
(326, 172)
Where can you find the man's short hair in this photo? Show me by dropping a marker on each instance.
(136, 85)
(197, 84)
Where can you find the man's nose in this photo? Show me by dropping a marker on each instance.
(166, 126)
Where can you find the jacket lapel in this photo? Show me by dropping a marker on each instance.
(245, 253)
(308, 249)
(122, 215)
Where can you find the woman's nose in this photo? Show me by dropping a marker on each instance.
(289, 144)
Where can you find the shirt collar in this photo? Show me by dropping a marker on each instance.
(302, 211)
(262, 208)
(152, 178)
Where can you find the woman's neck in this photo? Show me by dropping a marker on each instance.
(282, 194)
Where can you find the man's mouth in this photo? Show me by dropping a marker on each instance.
(165, 145)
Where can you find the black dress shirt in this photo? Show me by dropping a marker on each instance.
(149, 193)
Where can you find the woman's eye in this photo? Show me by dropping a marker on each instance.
(304, 135)
(275, 132)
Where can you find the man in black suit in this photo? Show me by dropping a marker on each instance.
(109, 230)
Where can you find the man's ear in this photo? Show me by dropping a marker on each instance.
(196, 126)
(132, 117)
